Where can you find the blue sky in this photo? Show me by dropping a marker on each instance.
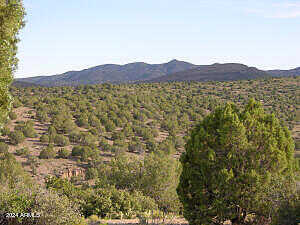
(64, 35)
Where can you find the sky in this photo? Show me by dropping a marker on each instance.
(65, 35)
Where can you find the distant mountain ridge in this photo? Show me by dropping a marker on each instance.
(174, 70)
(215, 72)
(111, 73)
(285, 73)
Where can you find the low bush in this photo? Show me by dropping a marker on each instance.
(63, 153)
(29, 131)
(3, 147)
(5, 131)
(47, 153)
(12, 115)
(22, 151)
(16, 137)
(61, 140)
(118, 204)
(44, 138)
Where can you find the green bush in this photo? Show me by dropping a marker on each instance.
(44, 138)
(29, 131)
(52, 208)
(3, 147)
(5, 131)
(17, 103)
(84, 152)
(91, 173)
(47, 153)
(68, 126)
(75, 137)
(12, 115)
(118, 204)
(63, 153)
(76, 151)
(42, 116)
(16, 137)
(22, 151)
(157, 176)
(61, 140)
(289, 211)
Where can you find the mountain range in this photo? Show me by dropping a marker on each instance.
(142, 72)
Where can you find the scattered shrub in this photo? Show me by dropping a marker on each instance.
(12, 115)
(16, 137)
(29, 131)
(5, 131)
(47, 153)
(3, 148)
(91, 173)
(63, 153)
(22, 151)
(61, 140)
(44, 138)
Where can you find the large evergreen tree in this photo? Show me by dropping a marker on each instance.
(11, 21)
(237, 165)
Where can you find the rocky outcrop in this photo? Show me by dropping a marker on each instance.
(68, 173)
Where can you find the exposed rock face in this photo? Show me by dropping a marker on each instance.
(71, 172)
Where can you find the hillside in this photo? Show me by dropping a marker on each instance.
(17, 83)
(123, 140)
(215, 72)
(140, 72)
(137, 117)
(111, 73)
(285, 73)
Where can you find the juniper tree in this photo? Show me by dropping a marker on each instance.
(233, 164)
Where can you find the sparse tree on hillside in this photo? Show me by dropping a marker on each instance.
(48, 152)
(16, 137)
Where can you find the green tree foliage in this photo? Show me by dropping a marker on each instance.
(156, 176)
(51, 208)
(42, 116)
(160, 179)
(5, 131)
(63, 153)
(29, 131)
(84, 152)
(16, 137)
(10, 170)
(48, 152)
(3, 148)
(22, 151)
(232, 157)
(61, 140)
(105, 202)
(33, 163)
(12, 115)
(44, 138)
(52, 132)
(11, 17)
(289, 211)
(91, 173)
(118, 204)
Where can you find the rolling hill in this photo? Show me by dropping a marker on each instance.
(142, 72)
(285, 73)
(111, 73)
(215, 72)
